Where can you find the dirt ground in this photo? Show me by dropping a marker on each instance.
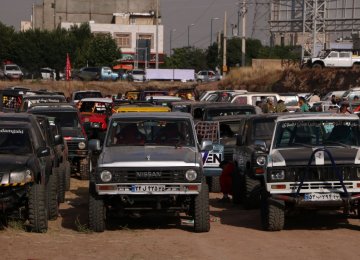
(235, 234)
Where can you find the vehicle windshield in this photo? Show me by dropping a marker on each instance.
(95, 107)
(167, 132)
(82, 95)
(15, 141)
(12, 67)
(229, 112)
(263, 129)
(65, 119)
(312, 133)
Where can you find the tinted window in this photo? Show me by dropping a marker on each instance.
(263, 130)
(15, 141)
(167, 132)
(317, 133)
(82, 95)
(65, 119)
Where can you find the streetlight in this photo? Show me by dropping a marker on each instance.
(211, 26)
(171, 31)
(189, 33)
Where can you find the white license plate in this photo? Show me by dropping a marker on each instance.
(148, 188)
(322, 196)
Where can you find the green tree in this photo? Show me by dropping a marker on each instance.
(187, 58)
(6, 42)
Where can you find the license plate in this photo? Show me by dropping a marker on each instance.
(148, 188)
(322, 196)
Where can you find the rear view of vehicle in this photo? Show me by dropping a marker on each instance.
(313, 163)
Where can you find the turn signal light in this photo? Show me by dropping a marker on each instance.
(259, 171)
(67, 138)
(358, 185)
(107, 187)
(192, 187)
(278, 187)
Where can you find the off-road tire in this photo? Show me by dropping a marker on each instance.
(67, 169)
(252, 188)
(84, 165)
(317, 66)
(97, 211)
(272, 214)
(37, 212)
(60, 172)
(52, 195)
(201, 210)
(215, 184)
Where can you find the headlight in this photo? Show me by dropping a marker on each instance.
(278, 175)
(81, 145)
(105, 176)
(21, 177)
(261, 160)
(191, 175)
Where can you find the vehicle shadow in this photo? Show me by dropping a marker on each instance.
(74, 211)
(236, 215)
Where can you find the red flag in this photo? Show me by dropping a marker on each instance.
(68, 67)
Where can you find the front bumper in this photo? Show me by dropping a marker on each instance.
(130, 189)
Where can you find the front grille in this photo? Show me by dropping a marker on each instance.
(317, 173)
(73, 146)
(321, 185)
(162, 176)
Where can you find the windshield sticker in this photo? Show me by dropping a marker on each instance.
(11, 131)
(319, 123)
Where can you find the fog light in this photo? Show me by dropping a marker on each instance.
(81, 145)
(278, 175)
(105, 176)
(191, 175)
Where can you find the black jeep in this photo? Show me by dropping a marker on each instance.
(24, 176)
(73, 132)
(250, 159)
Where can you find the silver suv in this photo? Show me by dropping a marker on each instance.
(11, 72)
(207, 75)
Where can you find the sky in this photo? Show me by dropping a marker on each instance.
(176, 15)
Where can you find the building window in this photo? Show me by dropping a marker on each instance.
(132, 20)
(123, 40)
(147, 37)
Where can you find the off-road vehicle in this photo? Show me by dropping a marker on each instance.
(250, 160)
(24, 175)
(73, 133)
(149, 161)
(313, 163)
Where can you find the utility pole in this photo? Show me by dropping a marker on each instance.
(157, 36)
(243, 39)
(224, 49)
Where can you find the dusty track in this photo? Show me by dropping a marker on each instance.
(235, 234)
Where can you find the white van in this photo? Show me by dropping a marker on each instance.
(251, 98)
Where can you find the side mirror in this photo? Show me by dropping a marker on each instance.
(94, 145)
(206, 145)
(43, 151)
(239, 140)
(260, 145)
(58, 139)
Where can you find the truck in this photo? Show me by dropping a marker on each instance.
(334, 59)
(170, 74)
(149, 162)
(313, 163)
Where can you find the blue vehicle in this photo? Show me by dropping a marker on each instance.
(106, 73)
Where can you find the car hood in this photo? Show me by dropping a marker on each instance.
(151, 156)
(11, 162)
(301, 156)
(72, 132)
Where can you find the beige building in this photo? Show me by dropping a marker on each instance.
(132, 23)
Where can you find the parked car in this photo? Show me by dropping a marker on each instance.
(136, 75)
(78, 95)
(207, 75)
(88, 74)
(11, 72)
(106, 73)
(47, 73)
